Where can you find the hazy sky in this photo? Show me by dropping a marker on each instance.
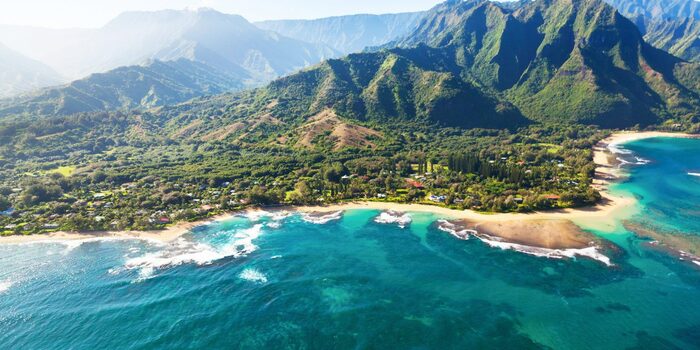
(95, 13)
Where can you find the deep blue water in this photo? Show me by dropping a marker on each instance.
(281, 282)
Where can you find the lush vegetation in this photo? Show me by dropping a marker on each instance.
(467, 117)
(155, 84)
(676, 29)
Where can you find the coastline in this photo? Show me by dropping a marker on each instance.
(166, 235)
(536, 228)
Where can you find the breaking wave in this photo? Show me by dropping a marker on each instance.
(694, 174)
(618, 149)
(6, 285)
(321, 219)
(496, 242)
(626, 157)
(589, 252)
(393, 217)
(253, 275)
(636, 161)
(183, 251)
(257, 215)
(455, 230)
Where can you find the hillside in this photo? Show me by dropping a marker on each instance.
(573, 61)
(680, 37)
(476, 64)
(662, 9)
(156, 84)
(227, 42)
(489, 108)
(347, 34)
(20, 74)
(472, 65)
(671, 25)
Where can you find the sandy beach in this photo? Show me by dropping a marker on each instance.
(553, 229)
(166, 235)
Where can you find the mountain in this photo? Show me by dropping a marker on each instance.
(680, 37)
(20, 74)
(671, 25)
(156, 84)
(662, 9)
(469, 64)
(560, 60)
(227, 42)
(475, 64)
(347, 34)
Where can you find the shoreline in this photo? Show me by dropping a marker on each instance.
(166, 235)
(601, 216)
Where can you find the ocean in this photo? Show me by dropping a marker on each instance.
(348, 280)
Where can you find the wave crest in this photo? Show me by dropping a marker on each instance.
(497, 242)
(321, 219)
(183, 251)
(393, 217)
(253, 275)
(455, 230)
(6, 285)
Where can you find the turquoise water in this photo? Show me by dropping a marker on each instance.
(281, 282)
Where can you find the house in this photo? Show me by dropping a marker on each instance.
(552, 197)
(381, 195)
(437, 199)
(415, 184)
(164, 220)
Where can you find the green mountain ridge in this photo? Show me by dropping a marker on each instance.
(471, 64)
(569, 61)
(134, 87)
(670, 25)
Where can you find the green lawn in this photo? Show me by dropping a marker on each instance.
(66, 171)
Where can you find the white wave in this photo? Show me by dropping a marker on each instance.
(275, 256)
(461, 233)
(590, 252)
(497, 242)
(638, 161)
(253, 275)
(696, 262)
(618, 149)
(393, 217)
(322, 219)
(257, 215)
(694, 174)
(274, 224)
(6, 285)
(183, 251)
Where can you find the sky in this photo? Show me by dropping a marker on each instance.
(96, 13)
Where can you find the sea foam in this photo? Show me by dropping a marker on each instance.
(322, 219)
(5, 286)
(589, 252)
(496, 242)
(455, 230)
(183, 251)
(253, 275)
(393, 217)
(258, 215)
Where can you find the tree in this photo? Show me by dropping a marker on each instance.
(40, 193)
(302, 194)
(335, 172)
(4, 203)
(260, 195)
